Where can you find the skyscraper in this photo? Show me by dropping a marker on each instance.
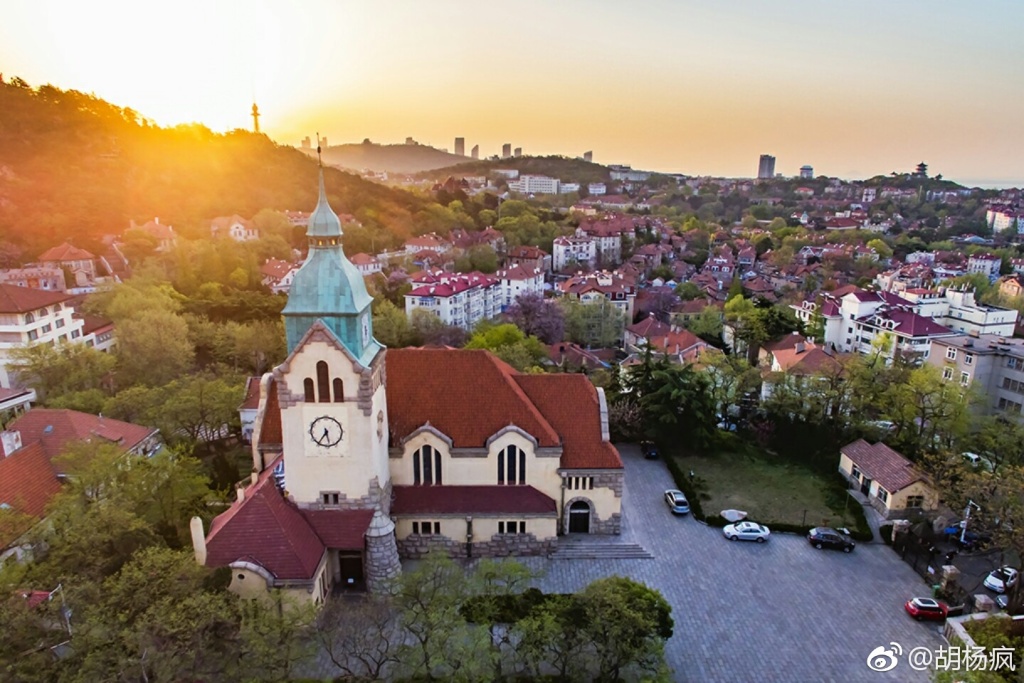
(506, 150)
(766, 167)
(460, 146)
(475, 152)
(518, 152)
(807, 171)
(588, 156)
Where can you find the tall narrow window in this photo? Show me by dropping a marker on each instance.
(339, 390)
(428, 465)
(416, 468)
(323, 382)
(307, 385)
(437, 467)
(501, 466)
(522, 467)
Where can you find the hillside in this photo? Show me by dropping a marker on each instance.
(564, 168)
(74, 166)
(390, 158)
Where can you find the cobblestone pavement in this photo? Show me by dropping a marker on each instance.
(779, 611)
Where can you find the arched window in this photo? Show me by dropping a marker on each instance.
(323, 382)
(339, 390)
(426, 466)
(307, 385)
(29, 318)
(512, 466)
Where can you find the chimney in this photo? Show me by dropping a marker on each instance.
(198, 540)
(973, 333)
(156, 219)
(240, 493)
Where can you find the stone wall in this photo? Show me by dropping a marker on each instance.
(610, 479)
(376, 498)
(415, 546)
(612, 525)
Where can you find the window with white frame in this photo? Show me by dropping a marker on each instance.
(883, 495)
(965, 378)
(517, 527)
(427, 528)
(950, 353)
(968, 359)
(947, 373)
(915, 501)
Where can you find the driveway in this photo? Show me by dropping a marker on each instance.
(758, 612)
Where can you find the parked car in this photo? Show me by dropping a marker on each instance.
(926, 608)
(1002, 579)
(823, 537)
(649, 450)
(677, 502)
(746, 531)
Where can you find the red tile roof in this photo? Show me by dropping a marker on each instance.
(27, 484)
(65, 252)
(267, 530)
(252, 394)
(14, 299)
(467, 394)
(94, 323)
(270, 432)
(56, 428)
(891, 470)
(362, 259)
(276, 268)
(570, 404)
(340, 529)
(476, 500)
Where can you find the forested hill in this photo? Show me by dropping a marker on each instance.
(564, 168)
(390, 158)
(75, 166)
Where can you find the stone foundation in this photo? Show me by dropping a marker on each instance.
(614, 480)
(375, 499)
(416, 546)
(612, 525)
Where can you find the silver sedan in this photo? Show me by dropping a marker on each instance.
(746, 531)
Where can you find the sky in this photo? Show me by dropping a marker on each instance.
(854, 89)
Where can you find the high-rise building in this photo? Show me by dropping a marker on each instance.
(306, 143)
(806, 171)
(506, 150)
(323, 142)
(475, 152)
(518, 152)
(766, 167)
(588, 156)
(460, 146)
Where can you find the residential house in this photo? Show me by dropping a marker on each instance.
(248, 407)
(794, 356)
(1010, 286)
(590, 287)
(31, 470)
(670, 341)
(235, 227)
(990, 364)
(35, 277)
(572, 252)
(97, 332)
(278, 275)
(892, 485)
(460, 299)
(30, 316)
(570, 357)
(365, 263)
(79, 263)
(529, 257)
(429, 242)
(986, 264)
(162, 233)
(516, 281)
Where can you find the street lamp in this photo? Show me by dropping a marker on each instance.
(967, 517)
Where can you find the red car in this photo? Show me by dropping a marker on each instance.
(926, 608)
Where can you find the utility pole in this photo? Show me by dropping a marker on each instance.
(967, 517)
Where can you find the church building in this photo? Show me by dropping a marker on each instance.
(364, 455)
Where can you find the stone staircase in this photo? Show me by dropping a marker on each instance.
(598, 548)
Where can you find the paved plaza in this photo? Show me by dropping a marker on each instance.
(779, 611)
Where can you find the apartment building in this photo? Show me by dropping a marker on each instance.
(991, 364)
(32, 316)
(460, 299)
(577, 251)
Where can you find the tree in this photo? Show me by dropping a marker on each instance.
(628, 624)
(428, 329)
(598, 324)
(687, 291)
(199, 408)
(510, 344)
(707, 325)
(883, 250)
(729, 379)
(538, 317)
(55, 371)
(361, 636)
(390, 325)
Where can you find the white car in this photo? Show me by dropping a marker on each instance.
(746, 531)
(1002, 579)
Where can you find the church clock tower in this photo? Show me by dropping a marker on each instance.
(331, 387)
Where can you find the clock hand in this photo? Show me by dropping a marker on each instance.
(326, 436)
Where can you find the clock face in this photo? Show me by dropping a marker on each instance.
(326, 432)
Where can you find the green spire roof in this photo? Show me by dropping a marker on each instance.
(330, 288)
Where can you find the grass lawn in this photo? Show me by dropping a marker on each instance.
(769, 490)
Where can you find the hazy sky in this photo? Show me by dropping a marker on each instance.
(852, 88)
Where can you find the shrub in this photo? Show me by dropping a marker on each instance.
(685, 484)
(886, 531)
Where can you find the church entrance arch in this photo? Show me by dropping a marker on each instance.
(579, 517)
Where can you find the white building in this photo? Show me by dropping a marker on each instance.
(620, 172)
(535, 184)
(566, 188)
(1002, 219)
(958, 310)
(235, 227)
(576, 250)
(367, 264)
(457, 299)
(986, 264)
(509, 173)
(516, 281)
(30, 316)
(597, 189)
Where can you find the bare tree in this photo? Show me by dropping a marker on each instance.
(360, 635)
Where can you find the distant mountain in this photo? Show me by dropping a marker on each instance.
(565, 169)
(391, 158)
(73, 166)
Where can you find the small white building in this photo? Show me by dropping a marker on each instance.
(367, 264)
(516, 281)
(31, 316)
(578, 251)
(597, 189)
(535, 184)
(235, 227)
(986, 264)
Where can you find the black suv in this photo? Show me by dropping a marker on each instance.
(649, 450)
(823, 537)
